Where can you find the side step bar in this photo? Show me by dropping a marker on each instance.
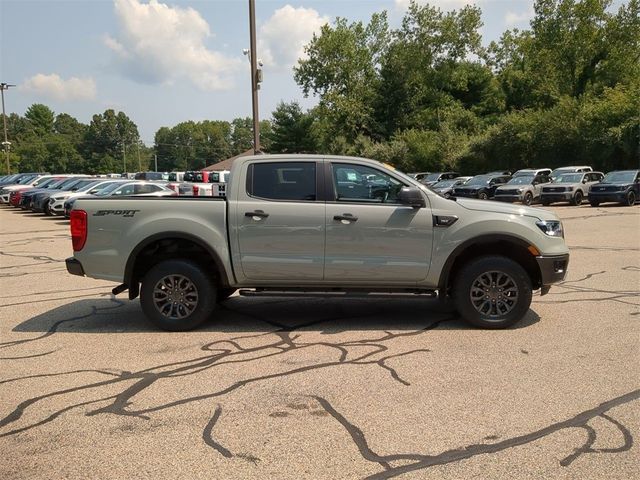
(337, 294)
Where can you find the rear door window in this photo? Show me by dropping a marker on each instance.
(283, 181)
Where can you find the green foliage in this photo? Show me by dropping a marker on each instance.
(292, 130)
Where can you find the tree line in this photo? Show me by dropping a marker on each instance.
(426, 96)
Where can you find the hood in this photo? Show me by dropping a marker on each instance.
(470, 187)
(614, 184)
(513, 187)
(506, 208)
(571, 185)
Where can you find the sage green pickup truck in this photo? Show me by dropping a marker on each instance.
(307, 225)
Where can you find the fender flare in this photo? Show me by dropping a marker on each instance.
(133, 256)
(481, 240)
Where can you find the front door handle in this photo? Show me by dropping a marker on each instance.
(345, 218)
(256, 214)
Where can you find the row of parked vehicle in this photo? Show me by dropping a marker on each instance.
(55, 194)
(566, 184)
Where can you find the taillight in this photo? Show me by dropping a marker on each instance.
(196, 189)
(78, 229)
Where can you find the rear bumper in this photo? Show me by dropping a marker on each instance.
(553, 269)
(74, 267)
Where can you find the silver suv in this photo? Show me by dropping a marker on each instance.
(522, 188)
(570, 187)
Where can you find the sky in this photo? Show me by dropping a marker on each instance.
(167, 61)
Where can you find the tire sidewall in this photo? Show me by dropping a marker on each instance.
(631, 199)
(528, 198)
(207, 294)
(465, 278)
(577, 200)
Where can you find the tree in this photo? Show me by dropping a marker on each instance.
(110, 134)
(41, 118)
(292, 130)
(342, 69)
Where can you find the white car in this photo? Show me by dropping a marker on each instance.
(57, 201)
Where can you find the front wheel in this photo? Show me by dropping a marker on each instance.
(483, 196)
(177, 295)
(594, 203)
(630, 199)
(528, 199)
(577, 199)
(492, 292)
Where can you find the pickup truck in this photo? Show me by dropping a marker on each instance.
(298, 225)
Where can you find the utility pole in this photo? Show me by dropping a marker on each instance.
(138, 150)
(124, 157)
(6, 144)
(155, 158)
(253, 58)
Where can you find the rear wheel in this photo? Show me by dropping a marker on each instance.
(177, 295)
(630, 199)
(483, 196)
(528, 198)
(577, 198)
(492, 292)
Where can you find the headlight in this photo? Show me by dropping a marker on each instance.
(553, 228)
(520, 190)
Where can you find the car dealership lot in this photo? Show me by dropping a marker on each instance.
(317, 388)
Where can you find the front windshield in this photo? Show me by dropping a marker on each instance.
(24, 180)
(479, 180)
(81, 184)
(521, 180)
(108, 189)
(68, 183)
(559, 171)
(432, 177)
(620, 177)
(444, 184)
(45, 183)
(569, 178)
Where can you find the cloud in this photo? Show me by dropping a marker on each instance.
(512, 19)
(284, 35)
(158, 43)
(54, 87)
(443, 4)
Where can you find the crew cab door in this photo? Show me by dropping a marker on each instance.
(370, 236)
(280, 222)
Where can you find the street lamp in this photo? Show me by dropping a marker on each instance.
(6, 144)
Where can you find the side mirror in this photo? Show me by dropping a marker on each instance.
(412, 197)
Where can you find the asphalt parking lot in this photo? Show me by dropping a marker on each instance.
(289, 388)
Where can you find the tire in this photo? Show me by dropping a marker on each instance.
(545, 203)
(594, 203)
(630, 199)
(496, 310)
(447, 195)
(577, 199)
(483, 196)
(224, 293)
(195, 285)
(46, 210)
(528, 199)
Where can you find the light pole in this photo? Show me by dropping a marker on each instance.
(6, 144)
(253, 58)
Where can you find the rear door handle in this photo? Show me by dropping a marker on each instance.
(345, 217)
(256, 214)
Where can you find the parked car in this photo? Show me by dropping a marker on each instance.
(57, 200)
(533, 171)
(622, 186)
(15, 196)
(140, 188)
(436, 177)
(419, 176)
(500, 172)
(562, 170)
(151, 176)
(481, 186)
(570, 187)
(522, 188)
(216, 186)
(28, 181)
(289, 225)
(445, 187)
(40, 201)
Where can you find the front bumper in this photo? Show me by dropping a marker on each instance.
(4, 198)
(508, 198)
(74, 267)
(56, 206)
(556, 197)
(553, 269)
(607, 196)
